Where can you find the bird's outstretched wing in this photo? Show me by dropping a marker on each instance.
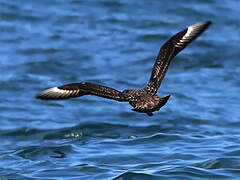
(169, 50)
(80, 89)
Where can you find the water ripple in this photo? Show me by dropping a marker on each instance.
(50, 43)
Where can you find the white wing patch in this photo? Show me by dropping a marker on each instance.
(56, 93)
(192, 32)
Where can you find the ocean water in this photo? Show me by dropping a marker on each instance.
(196, 135)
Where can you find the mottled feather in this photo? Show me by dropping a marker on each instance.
(169, 50)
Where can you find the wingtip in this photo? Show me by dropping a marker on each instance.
(204, 23)
(40, 96)
(47, 94)
(210, 22)
(37, 96)
(207, 23)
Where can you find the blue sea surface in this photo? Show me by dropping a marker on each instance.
(47, 43)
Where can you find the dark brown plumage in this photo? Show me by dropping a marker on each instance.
(143, 100)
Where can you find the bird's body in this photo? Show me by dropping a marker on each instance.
(143, 100)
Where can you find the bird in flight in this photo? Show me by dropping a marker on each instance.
(144, 100)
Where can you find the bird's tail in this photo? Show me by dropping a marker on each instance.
(164, 100)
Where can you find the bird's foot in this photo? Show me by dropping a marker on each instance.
(150, 113)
